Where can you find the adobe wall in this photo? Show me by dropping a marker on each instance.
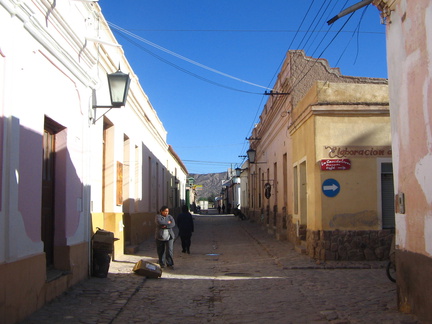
(349, 245)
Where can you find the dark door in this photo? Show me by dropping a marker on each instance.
(48, 194)
(387, 196)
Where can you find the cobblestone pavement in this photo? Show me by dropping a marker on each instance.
(236, 273)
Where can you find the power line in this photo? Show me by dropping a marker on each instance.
(321, 18)
(319, 56)
(277, 71)
(357, 29)
(183, 57)
(310, 31)
(209, 162)
(207, 146)
(246, 31)
(185, 70)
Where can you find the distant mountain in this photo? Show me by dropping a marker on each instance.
(211, 183)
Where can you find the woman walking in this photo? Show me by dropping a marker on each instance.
(165, 237)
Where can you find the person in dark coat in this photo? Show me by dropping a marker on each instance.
(186, 227)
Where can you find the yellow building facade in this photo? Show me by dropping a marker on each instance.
(341, 154)
(322, 178)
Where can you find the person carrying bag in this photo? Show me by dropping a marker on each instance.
(165, 237)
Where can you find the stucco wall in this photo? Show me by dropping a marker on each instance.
(409, 44)
(356, 206)
(409, 53)
(337, 115)
(49, 67)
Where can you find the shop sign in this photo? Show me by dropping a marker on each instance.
(335, 164)
(341, 152)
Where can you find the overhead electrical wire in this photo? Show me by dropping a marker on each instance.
(320, 20)
(184, 58)
(276, 72)
(356, 31)
(331, 41)
(299, 46)
(319, 56)
(301, 74)
(312, 29)
(185, 70)
(292, 41)
(243, 30)
(308, 33)
(207, 162)
(123, 31)
(296, 68)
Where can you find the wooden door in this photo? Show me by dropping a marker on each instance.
(47, 224)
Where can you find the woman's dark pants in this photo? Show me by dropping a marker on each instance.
(165, 250)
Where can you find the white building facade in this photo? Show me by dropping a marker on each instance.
(65, 167)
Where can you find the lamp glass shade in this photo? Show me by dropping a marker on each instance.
(118, 83)
(238, 172)
(251, 153)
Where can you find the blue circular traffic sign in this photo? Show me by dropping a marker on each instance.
(330, 187)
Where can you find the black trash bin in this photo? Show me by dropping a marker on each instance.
(101, 263)
(103, 247)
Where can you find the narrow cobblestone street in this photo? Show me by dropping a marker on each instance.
(236, 273)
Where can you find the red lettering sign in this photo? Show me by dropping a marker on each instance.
(335, 164)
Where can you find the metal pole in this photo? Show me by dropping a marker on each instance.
(348, 10)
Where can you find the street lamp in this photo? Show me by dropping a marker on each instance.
(118, 83)
(238, 171)
(251, 153)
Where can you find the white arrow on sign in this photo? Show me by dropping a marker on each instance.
(332, 187)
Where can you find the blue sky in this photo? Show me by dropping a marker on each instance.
(205, 64)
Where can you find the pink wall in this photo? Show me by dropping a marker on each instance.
(409, 42)
(68, 186)
(29, 191)
(409, 55)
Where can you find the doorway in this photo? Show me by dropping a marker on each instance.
(387, 196)
(51, 128)
(303, 194)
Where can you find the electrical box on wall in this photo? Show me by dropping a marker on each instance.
(400, 203)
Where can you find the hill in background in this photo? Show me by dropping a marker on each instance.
(211, 183)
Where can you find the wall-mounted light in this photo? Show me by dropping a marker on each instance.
(118, 83)
(251, 153)
(239, 171)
